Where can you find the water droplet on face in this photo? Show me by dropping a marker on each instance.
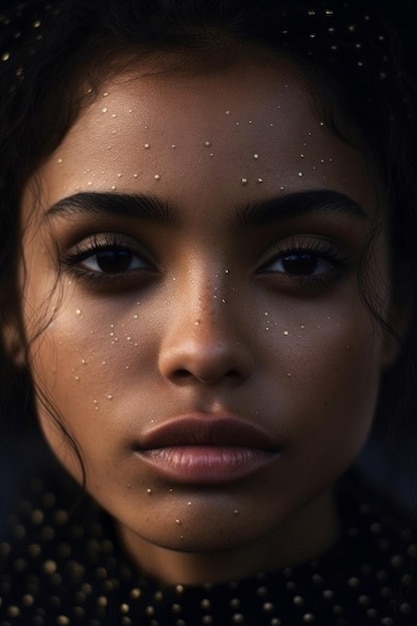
(227, 112)
(300, 174)
(286, 333)
(78, 311)
(226, 271)
(260, 180)
(109, 397)
(157, 177)
(77, 378)
(244, 181)
(188, 503)
(149, 491)
(207, 144)
(178, 522)
(147, 146)
(104, 110)
(302, 326)
(236, 512)
(256, 156)
(83, 361)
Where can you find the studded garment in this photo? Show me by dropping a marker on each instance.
(61, 565)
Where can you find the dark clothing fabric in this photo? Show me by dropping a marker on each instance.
(60, 564)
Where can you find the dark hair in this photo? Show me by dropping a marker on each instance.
(51, 51)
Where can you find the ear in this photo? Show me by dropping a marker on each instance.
(14, 343)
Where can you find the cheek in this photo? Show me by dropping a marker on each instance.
(327, 361)
(87, 365)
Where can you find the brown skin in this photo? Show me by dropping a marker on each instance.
(209, 330)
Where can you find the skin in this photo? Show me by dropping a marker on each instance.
(219, 325)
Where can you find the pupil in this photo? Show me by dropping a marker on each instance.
(114, 261)
(300, 263)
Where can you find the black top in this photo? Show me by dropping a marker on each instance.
(61, 565)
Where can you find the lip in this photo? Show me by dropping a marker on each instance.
(206, 449)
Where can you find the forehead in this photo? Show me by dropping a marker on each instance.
(252, 128)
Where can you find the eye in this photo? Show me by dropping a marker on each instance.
(306, 261)
(112, 260)
(301, 263)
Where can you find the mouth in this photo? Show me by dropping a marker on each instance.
(206, 450)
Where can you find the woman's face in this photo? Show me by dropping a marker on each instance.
(191, 251)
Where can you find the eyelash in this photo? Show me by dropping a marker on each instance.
(318, 250)
(99, 245)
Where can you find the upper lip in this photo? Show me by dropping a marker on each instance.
(208, 430)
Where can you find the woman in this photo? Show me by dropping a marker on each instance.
(207, 275)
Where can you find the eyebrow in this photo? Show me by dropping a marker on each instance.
(323, 201)
(154, 210)
(145, 207)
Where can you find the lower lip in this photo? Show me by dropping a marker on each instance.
(209, 465)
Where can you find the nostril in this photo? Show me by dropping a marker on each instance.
(183, 374)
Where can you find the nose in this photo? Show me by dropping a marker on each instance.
(205, 341)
